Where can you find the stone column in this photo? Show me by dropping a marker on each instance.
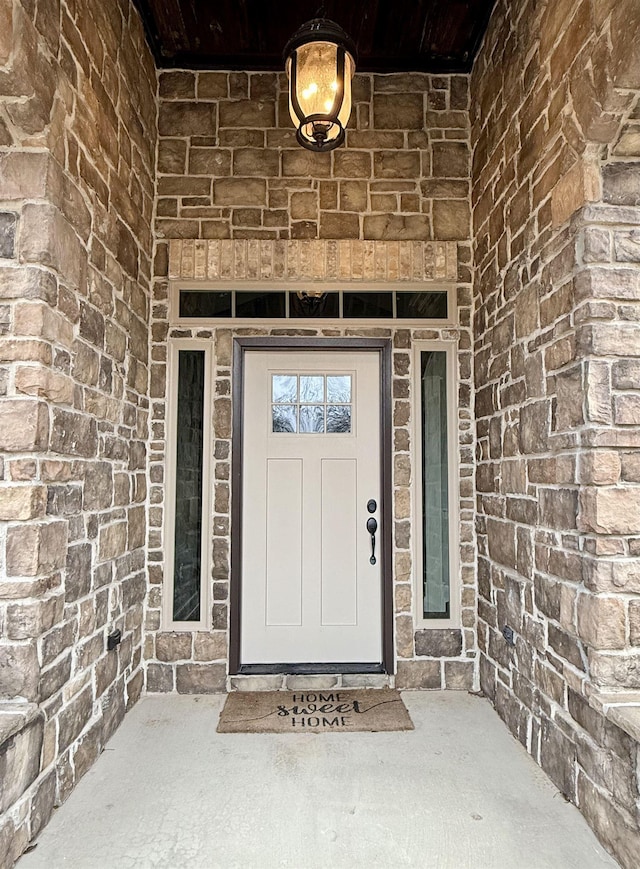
(608, 290)
(77, 151)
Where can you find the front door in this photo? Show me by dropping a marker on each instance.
(311, 580)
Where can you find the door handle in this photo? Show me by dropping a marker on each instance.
(372, 527)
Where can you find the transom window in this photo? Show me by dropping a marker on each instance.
(274, 303)
(311, 403)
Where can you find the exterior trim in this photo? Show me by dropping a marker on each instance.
(307, 669)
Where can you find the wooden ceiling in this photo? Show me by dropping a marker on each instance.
(391, 35)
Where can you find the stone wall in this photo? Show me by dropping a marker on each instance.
(229, 165)
(77, 154)
(554, 95)
(251, 204)
(197, 661)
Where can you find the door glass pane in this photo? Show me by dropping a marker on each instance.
(312, 419)
(339, 388)
(188, 513)
(338, 418)
(435, 486)
(284, 418)
(285, 387)
(311, 389)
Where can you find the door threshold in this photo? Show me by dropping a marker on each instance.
(307, 669)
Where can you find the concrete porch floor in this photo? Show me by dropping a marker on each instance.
(458, 792)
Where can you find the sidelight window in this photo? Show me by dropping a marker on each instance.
(187, 501)
(435, 551)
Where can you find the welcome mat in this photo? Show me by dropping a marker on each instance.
(332, 711)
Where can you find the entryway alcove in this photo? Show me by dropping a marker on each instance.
(479, 230)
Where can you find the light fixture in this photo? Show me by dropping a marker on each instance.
(320, 62)
(311, 293)
(311, 302)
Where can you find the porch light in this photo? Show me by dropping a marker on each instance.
(320, 63)
(311, 300)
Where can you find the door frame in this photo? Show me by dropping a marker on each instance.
(383, 347)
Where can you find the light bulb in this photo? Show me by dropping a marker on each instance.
(308, 92)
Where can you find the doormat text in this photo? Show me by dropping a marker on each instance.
(320, 710)
(344, 710)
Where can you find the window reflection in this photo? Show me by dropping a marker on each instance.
(284, 418)
(338, 419)
(284, 388)
(312, 419)
(311, 389)
(339, 387)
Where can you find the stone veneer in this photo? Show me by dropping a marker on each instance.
(238, 199)
(229, 165)
(77, 155)
(426, 658)
(557, 375)
(555, 135)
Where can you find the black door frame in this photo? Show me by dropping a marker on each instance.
(273, 344)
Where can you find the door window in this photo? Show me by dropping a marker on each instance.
(311, 403)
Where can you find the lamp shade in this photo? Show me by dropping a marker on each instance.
(320, 63)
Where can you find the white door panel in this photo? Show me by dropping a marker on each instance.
(284, 542)
(339, 506)
(309, 592)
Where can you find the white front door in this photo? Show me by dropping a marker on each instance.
(311, 589)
